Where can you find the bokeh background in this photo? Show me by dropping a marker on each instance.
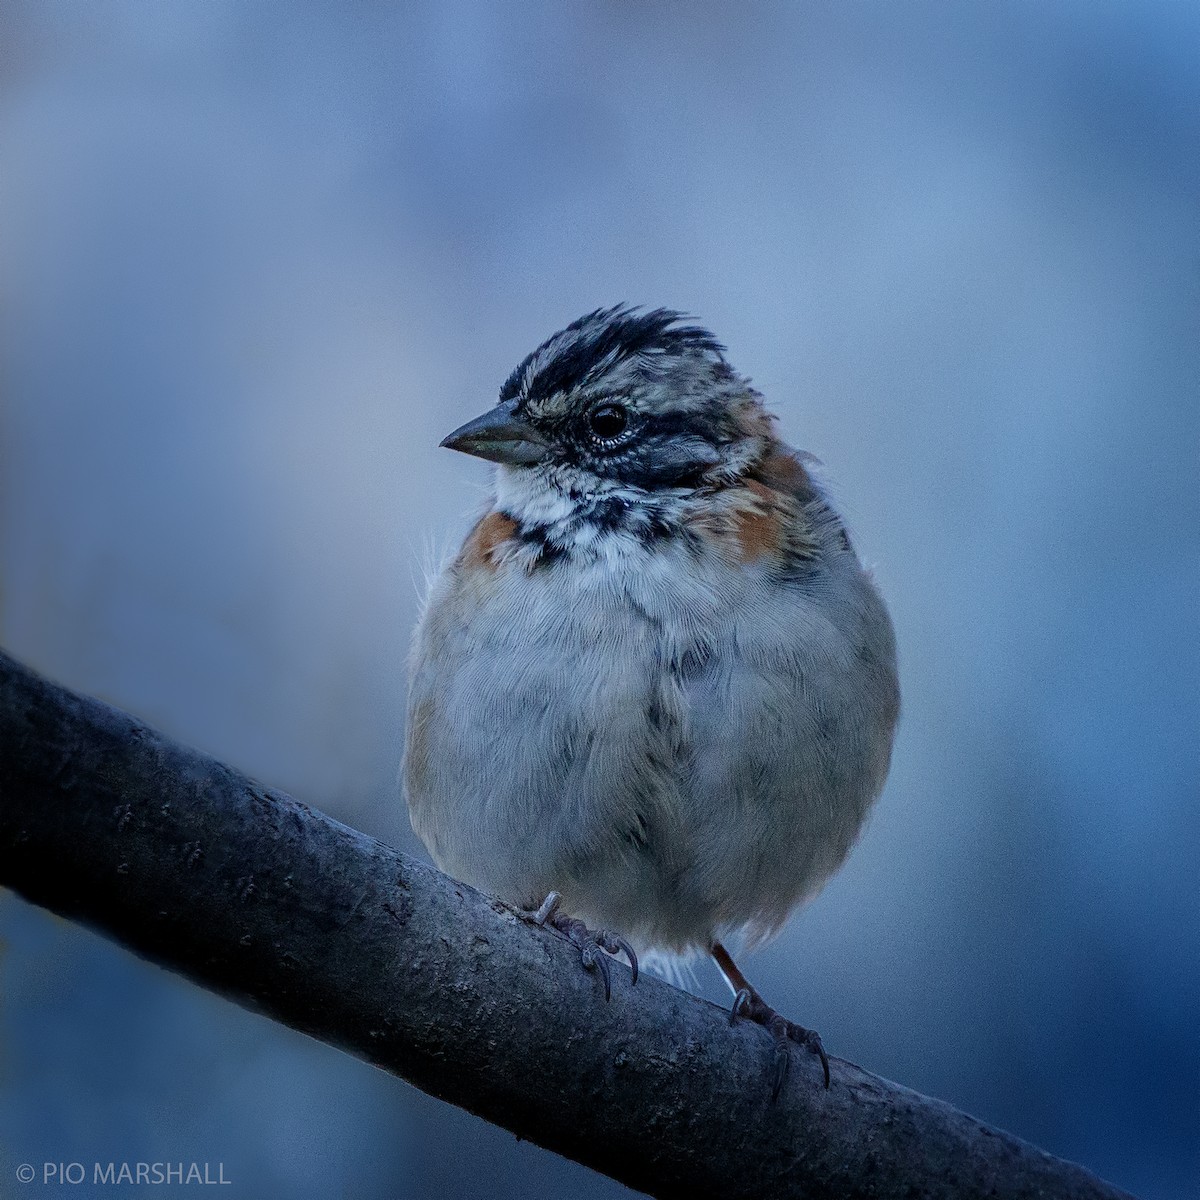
(255, 260)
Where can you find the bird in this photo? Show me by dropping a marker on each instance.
(653, 696)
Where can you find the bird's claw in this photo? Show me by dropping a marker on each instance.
(614, 944)
(750, 1005)
(594, 947)
(741, 1005)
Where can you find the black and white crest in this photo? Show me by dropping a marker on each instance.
(597, 345)
(624, 398)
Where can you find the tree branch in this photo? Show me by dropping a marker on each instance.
(246, 891)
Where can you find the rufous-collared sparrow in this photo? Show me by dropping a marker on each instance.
(656, 682)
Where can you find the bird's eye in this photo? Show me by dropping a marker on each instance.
(608, 421)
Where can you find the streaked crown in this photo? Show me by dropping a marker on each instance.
(620, 395)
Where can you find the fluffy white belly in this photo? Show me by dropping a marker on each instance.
(679, 752)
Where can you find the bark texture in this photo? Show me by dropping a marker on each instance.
(246, 891)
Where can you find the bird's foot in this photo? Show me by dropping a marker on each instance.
(750, 1005)
(594, 946)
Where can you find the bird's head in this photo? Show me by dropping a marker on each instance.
(623, 400)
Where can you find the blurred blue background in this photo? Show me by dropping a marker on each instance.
(256, 260)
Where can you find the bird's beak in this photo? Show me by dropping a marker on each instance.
(499, 436)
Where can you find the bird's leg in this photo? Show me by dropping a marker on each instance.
(749, 1004)
(593, 946)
